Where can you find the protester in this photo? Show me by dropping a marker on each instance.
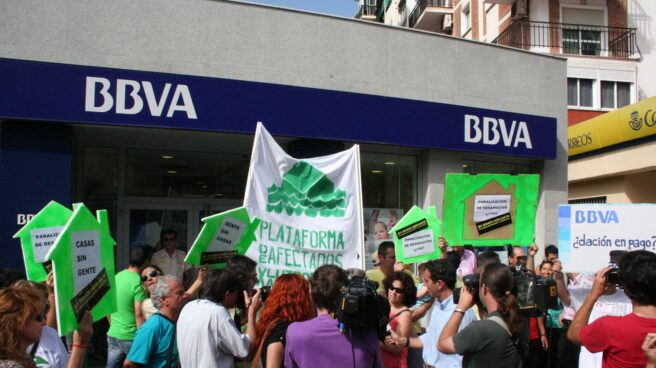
(515, 256)
(206, 334)
(387, 262)
(128, 316)
(552, 320)
(620, 338)
(319, 343)
(22, 316)
(150, 275)
(440, 279)
(401, 294)
(489, 341)
(170, 259)
(154, 343)
(289, 301)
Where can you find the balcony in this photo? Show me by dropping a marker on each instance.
(571, 39)
(429, 15)
(366, 12)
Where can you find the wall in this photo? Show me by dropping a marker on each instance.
(642, 15)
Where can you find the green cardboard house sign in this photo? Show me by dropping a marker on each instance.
(83, 264)
(38, 236)
(223, 235)
(416, 235)
(490, 209)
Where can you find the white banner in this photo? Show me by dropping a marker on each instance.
(311, 210)
(588, 233)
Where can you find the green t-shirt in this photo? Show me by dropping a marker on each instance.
(377, 275)
(123, 323)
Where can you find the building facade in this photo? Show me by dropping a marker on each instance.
(147, 109)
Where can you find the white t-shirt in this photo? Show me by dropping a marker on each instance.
(207, 336)
(51, 351)
(171, 265)
(617, 304)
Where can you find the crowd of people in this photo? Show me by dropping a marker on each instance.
(440, 318)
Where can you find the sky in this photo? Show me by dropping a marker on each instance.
(342, 8)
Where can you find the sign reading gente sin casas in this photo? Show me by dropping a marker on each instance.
(31, 90)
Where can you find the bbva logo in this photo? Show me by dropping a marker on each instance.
(494, 131)
(593, 217)
(128, 99)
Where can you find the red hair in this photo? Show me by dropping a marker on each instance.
(288, 301)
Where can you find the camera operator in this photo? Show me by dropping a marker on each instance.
(620, 338)
(319, 343)
(492, 341)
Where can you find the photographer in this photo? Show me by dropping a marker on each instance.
(492, 341)
(206, 335)
(319, 342)
(620, 338)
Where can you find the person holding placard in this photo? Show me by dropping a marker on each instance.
(124, 322)
(387, 265)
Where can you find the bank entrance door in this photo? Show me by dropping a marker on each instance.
(141, 220)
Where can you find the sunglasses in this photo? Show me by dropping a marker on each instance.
(42, 316)
(150, 275)
(398, 290)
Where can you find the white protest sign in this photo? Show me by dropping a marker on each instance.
(42, 240)
(490, 206)
(227, 235)
(86, 258)
(418, 244)
(311, 210)
(588, 233)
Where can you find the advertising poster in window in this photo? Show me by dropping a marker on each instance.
(378, 223)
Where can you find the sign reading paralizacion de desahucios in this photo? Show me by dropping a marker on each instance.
(311, 210)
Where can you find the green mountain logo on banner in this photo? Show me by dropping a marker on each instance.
(223, 236)
(83, 266)
(307, 191)
(38, 236)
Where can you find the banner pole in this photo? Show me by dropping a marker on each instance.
(361, 209)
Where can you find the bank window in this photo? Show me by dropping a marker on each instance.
(615, 94)
(579, 92)
(488, 167)
(100, 184)
(168, 173)
(389, 181)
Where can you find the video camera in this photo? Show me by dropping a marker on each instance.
(361, 308)
(471, 282)
(535, 294)
(613, 276)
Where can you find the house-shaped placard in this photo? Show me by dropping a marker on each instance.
(416, 235)
(38, 236)
(223, 235)
(83, 264)
(490, 209)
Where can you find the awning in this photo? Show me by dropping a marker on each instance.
(622, 125)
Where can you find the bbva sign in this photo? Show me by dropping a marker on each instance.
(129, 100)
(495, 131)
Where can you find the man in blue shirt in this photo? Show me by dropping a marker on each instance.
(154, 343)
(440, 279)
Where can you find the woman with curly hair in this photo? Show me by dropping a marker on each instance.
(22, 313)
(289, 301)
(401, 294)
